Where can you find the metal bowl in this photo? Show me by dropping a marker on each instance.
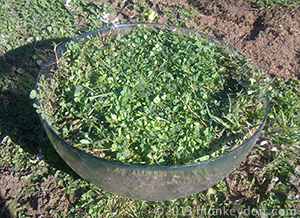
(139, 182)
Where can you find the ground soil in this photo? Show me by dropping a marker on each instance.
(270, 37)
(31, 203)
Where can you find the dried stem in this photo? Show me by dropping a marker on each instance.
(193, 112)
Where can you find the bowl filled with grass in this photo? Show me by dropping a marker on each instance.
(151, 111)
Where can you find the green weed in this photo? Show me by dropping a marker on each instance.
(272, 3)
(151, 97)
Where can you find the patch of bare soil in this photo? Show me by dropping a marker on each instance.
(270, 37)
(36, 199)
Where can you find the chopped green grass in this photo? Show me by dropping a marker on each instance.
(154, 97)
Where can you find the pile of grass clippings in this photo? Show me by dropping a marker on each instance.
(152, 97)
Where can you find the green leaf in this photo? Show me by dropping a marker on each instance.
(84, 141)
(32, 94)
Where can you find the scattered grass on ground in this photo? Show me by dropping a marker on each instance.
(272, 3)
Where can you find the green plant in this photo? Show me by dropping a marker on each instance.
(272, 3)
(284, 113)
(151, 97)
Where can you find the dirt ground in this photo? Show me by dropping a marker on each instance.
(270, 37)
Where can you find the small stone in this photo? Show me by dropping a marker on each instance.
(274, 149)
(29, 39)
(263, 143)
(39, 62)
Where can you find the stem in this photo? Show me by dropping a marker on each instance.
(193, 112)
